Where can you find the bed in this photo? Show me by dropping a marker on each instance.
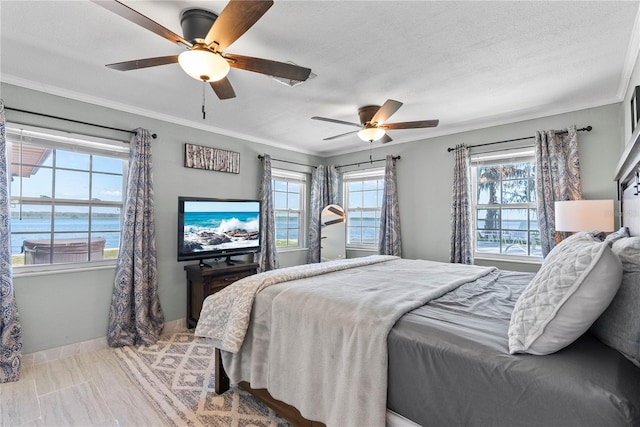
(380, 340)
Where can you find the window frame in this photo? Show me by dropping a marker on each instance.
(298, 178)
(501, 157)
(362, 176)
(68, 142)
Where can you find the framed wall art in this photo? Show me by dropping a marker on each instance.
(213, 159)
(635, 108)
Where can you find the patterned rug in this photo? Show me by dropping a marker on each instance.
(177, 374)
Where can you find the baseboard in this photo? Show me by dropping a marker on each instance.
(57, 353)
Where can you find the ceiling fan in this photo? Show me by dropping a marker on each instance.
(372, 122)
(206, 36)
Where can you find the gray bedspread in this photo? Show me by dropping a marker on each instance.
(449, 365)
(319, 343)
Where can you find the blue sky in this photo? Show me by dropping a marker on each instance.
(221, 206)
(72, 182)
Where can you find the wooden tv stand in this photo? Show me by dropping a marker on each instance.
(209, 279)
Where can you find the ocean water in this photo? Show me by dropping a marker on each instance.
(38, 228)
(108, 228)
(363, 230)
(196, 223)
(218, 222)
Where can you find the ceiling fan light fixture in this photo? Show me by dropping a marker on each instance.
(203, 64)
(370, 134)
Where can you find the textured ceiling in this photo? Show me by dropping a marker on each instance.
(468, 64)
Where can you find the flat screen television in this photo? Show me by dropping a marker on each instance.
(215, 228)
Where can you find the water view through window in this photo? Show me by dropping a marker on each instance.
(66, 198)
(33, 232)
(506, 220)
(363, 190)
(288, 204)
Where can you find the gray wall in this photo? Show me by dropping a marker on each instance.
(64, 308)
(425, 174)
(625, 109)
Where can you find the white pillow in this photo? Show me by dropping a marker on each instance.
(575, 284)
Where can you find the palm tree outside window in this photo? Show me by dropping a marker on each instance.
(505, 216)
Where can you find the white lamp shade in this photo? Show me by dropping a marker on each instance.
(584, 215)
(370, 134)
(202, 64)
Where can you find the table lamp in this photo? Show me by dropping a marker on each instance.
(584, 215)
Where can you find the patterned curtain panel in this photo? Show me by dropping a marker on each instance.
(10, 330)
(390, 240)
(136, 316)
(461, 236)
(324, 191)
(333, 186)
(268, 257)
(557, 178)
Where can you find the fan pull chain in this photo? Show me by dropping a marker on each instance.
(370, 152)
(204, 114)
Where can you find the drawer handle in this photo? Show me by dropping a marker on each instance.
(229, 279)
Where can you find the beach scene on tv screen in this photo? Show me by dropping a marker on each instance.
(210, 226)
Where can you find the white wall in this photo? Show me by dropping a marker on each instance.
(425, 173)
(634, 80)
(65, 308)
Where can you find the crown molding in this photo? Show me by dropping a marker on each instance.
(76, 96)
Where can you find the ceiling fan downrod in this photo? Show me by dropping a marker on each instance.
(370, 152)
(204, 114)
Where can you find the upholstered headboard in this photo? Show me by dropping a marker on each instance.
(628, 178)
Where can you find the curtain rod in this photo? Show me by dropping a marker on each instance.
(154, 136)
(261, 157)
(369, 161)
(588, 129)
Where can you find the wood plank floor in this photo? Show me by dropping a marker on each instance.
(88, 389)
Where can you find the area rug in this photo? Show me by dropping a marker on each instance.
(177, 374)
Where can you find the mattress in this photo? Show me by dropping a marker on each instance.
(317, 338)
(449, 365)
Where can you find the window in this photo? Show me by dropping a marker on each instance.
(505, 214)
(289, 208)
(363, 202)
(66, 196)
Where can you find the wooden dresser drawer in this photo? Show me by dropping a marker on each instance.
(205, 281)
(227, 279)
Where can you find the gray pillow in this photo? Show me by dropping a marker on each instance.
(617, 235)
(619, 325)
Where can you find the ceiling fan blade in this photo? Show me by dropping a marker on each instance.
(269, 67)
(324, 119)
(223, 89)
(333, 221)
(388, 108)
(137, 18)
(144, 63)
(386, 138)
(336, 211)
(234, 20)
(339, 136)
(411, 125)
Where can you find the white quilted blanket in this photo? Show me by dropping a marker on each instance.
(225, 315)
(326, 350)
